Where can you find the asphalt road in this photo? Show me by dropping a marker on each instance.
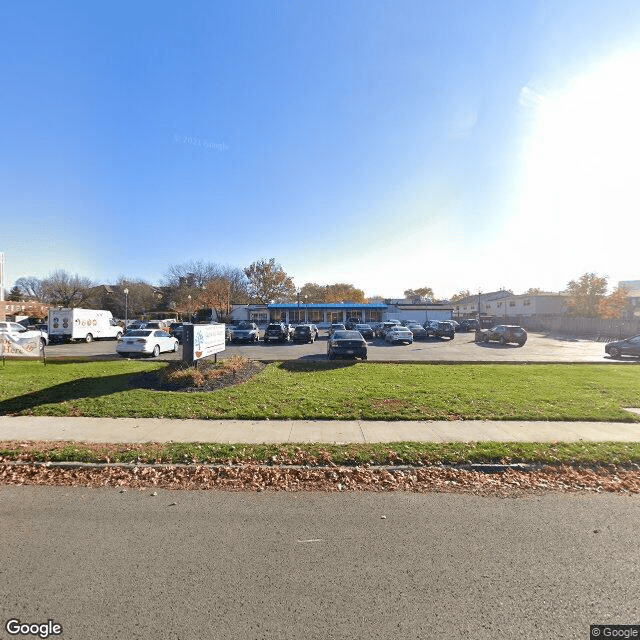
(539, 348)
(207, 564)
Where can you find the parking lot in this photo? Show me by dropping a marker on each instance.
(539, 348)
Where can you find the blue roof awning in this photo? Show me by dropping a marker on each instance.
(328, 305)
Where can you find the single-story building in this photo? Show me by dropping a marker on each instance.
(334, 312)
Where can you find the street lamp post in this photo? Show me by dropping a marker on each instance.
(126, 306)
(189, 307)
(306, 310)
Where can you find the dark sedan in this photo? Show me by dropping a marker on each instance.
(628, 347)
(502, 333)
(347, 344)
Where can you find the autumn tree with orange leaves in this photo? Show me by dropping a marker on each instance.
(268, 282)
(216, 295)
(589, 297)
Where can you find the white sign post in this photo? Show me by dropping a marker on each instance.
(202, 340)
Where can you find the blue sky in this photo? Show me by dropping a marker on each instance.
(392, 145)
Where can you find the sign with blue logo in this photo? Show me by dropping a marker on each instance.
(202, 340)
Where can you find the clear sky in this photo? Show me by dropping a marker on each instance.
(454, 144)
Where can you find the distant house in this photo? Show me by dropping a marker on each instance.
(11, 310)
(477, 304)
(507, 304)
(539, 304)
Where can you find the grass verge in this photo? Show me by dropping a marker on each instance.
(413, 453)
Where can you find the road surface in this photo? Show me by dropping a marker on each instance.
(209, 564)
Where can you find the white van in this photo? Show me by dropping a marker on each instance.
(82, 324)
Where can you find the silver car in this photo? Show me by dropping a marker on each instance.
(398, 334)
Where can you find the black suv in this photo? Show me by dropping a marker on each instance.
(176, 329)
(366, 331)
(440, 329)
(277, 332)
(470, 324)
(305, 333)
(502, 333)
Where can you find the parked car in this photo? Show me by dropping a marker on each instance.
(628, 347)
(146, 342)
(470, 324)
(246, 332)
(176, 329)
(383, 327)
(418, 330)
(155, 324)
(277, 332)
(398, 334)
(346, 344)
(336, 326)
(439, 329)
(305, 333)
(502, 333)
(228, 332)
(17, 332)
(366, 331)
(351, 323)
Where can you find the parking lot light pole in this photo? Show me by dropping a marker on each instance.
(126, 306)
(306, 310)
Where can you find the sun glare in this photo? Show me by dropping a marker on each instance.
(581, 168)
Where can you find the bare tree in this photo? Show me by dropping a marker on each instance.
(30, 288)
(191, 278)
(61, 289)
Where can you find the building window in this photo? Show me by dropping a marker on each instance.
(512, 303)
(527, 303)
(278, 316)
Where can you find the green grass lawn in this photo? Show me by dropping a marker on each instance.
(342, 391)
(576, 453)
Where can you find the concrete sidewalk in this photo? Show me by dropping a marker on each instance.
(329, 431)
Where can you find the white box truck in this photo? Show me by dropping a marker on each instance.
(82, 324)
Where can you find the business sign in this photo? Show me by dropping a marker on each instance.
(13, 346)
(202, 340)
